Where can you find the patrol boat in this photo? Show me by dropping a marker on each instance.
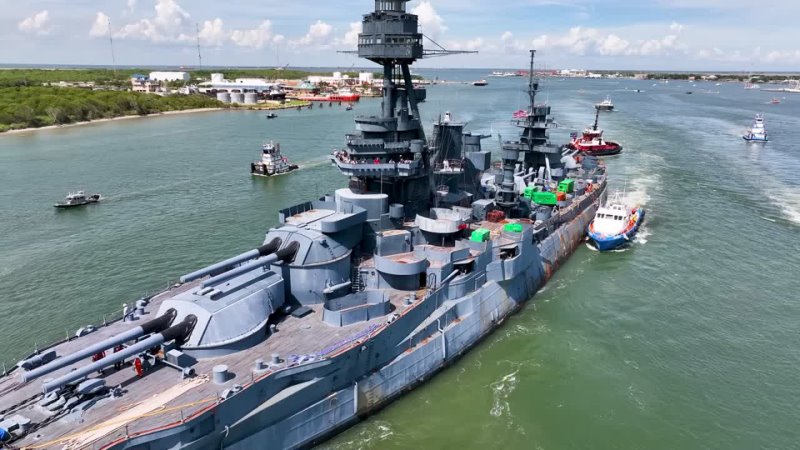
(79, 198)
(353, 299)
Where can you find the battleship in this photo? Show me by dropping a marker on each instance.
(352, 300)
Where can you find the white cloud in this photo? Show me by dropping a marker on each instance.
(511, 45)
(472, 45)
(257, 37)
(591, 41)
(430, 22)
(213, 33)
(100, 25)
(35, 24)
(350, 38)
(169, 24)
(131, 5)
(318, 34)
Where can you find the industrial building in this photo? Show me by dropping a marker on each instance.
(169, 76)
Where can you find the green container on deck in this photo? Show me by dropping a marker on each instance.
(528, 192)
(480, 235)
(513, 227)
(545, 198)
(566, 186)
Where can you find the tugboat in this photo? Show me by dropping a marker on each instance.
(605, 105)
(74, 199)
(592, 142)
(615, 224)
(757, 131)
(272, 162)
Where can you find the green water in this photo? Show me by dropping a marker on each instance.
(686, 340)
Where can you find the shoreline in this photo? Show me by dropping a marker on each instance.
(109, 119)
(137, 116)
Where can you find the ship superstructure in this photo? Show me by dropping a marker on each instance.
(352, 299)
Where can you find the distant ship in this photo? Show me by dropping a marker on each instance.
(605, 105)
(272, 162)
(480, 83)
(757, 133)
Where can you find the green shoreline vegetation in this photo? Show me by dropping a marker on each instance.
(40, 106)
(34, 98)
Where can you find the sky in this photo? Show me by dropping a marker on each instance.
(739, 35)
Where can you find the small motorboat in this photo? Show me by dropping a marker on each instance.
(775, 101)
(348, 108)
(480, 83)
(271, 115)
(605, 105)
(74, 199)
(615, 224)
(757, 131)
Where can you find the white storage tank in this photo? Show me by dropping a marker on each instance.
(237, 97)
(224, 97)
(250, 98)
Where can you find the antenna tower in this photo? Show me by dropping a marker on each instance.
(111, 43)
(199, 56)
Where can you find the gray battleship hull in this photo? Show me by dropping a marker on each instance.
(326, 399)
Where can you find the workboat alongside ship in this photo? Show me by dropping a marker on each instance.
(591, 142)
(272, 162)
(615, 224)
(355, 298)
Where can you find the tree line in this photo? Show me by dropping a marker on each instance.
(38, 106)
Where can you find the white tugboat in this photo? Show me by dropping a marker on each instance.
(605, 105)
(272, 162)
(757, 131)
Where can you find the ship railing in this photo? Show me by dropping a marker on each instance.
(524, 123)
(7, 367)
(449, 166)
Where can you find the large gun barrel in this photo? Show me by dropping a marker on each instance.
(284, 254)
(229, 263)
(179, 332)
(154, 326)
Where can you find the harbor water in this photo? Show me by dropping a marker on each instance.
(686, 339)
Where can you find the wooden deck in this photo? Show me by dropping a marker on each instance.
(297, 341)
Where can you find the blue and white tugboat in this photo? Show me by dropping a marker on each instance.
(757, 131)
(615, 224)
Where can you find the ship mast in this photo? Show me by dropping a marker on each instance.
(401, 166)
